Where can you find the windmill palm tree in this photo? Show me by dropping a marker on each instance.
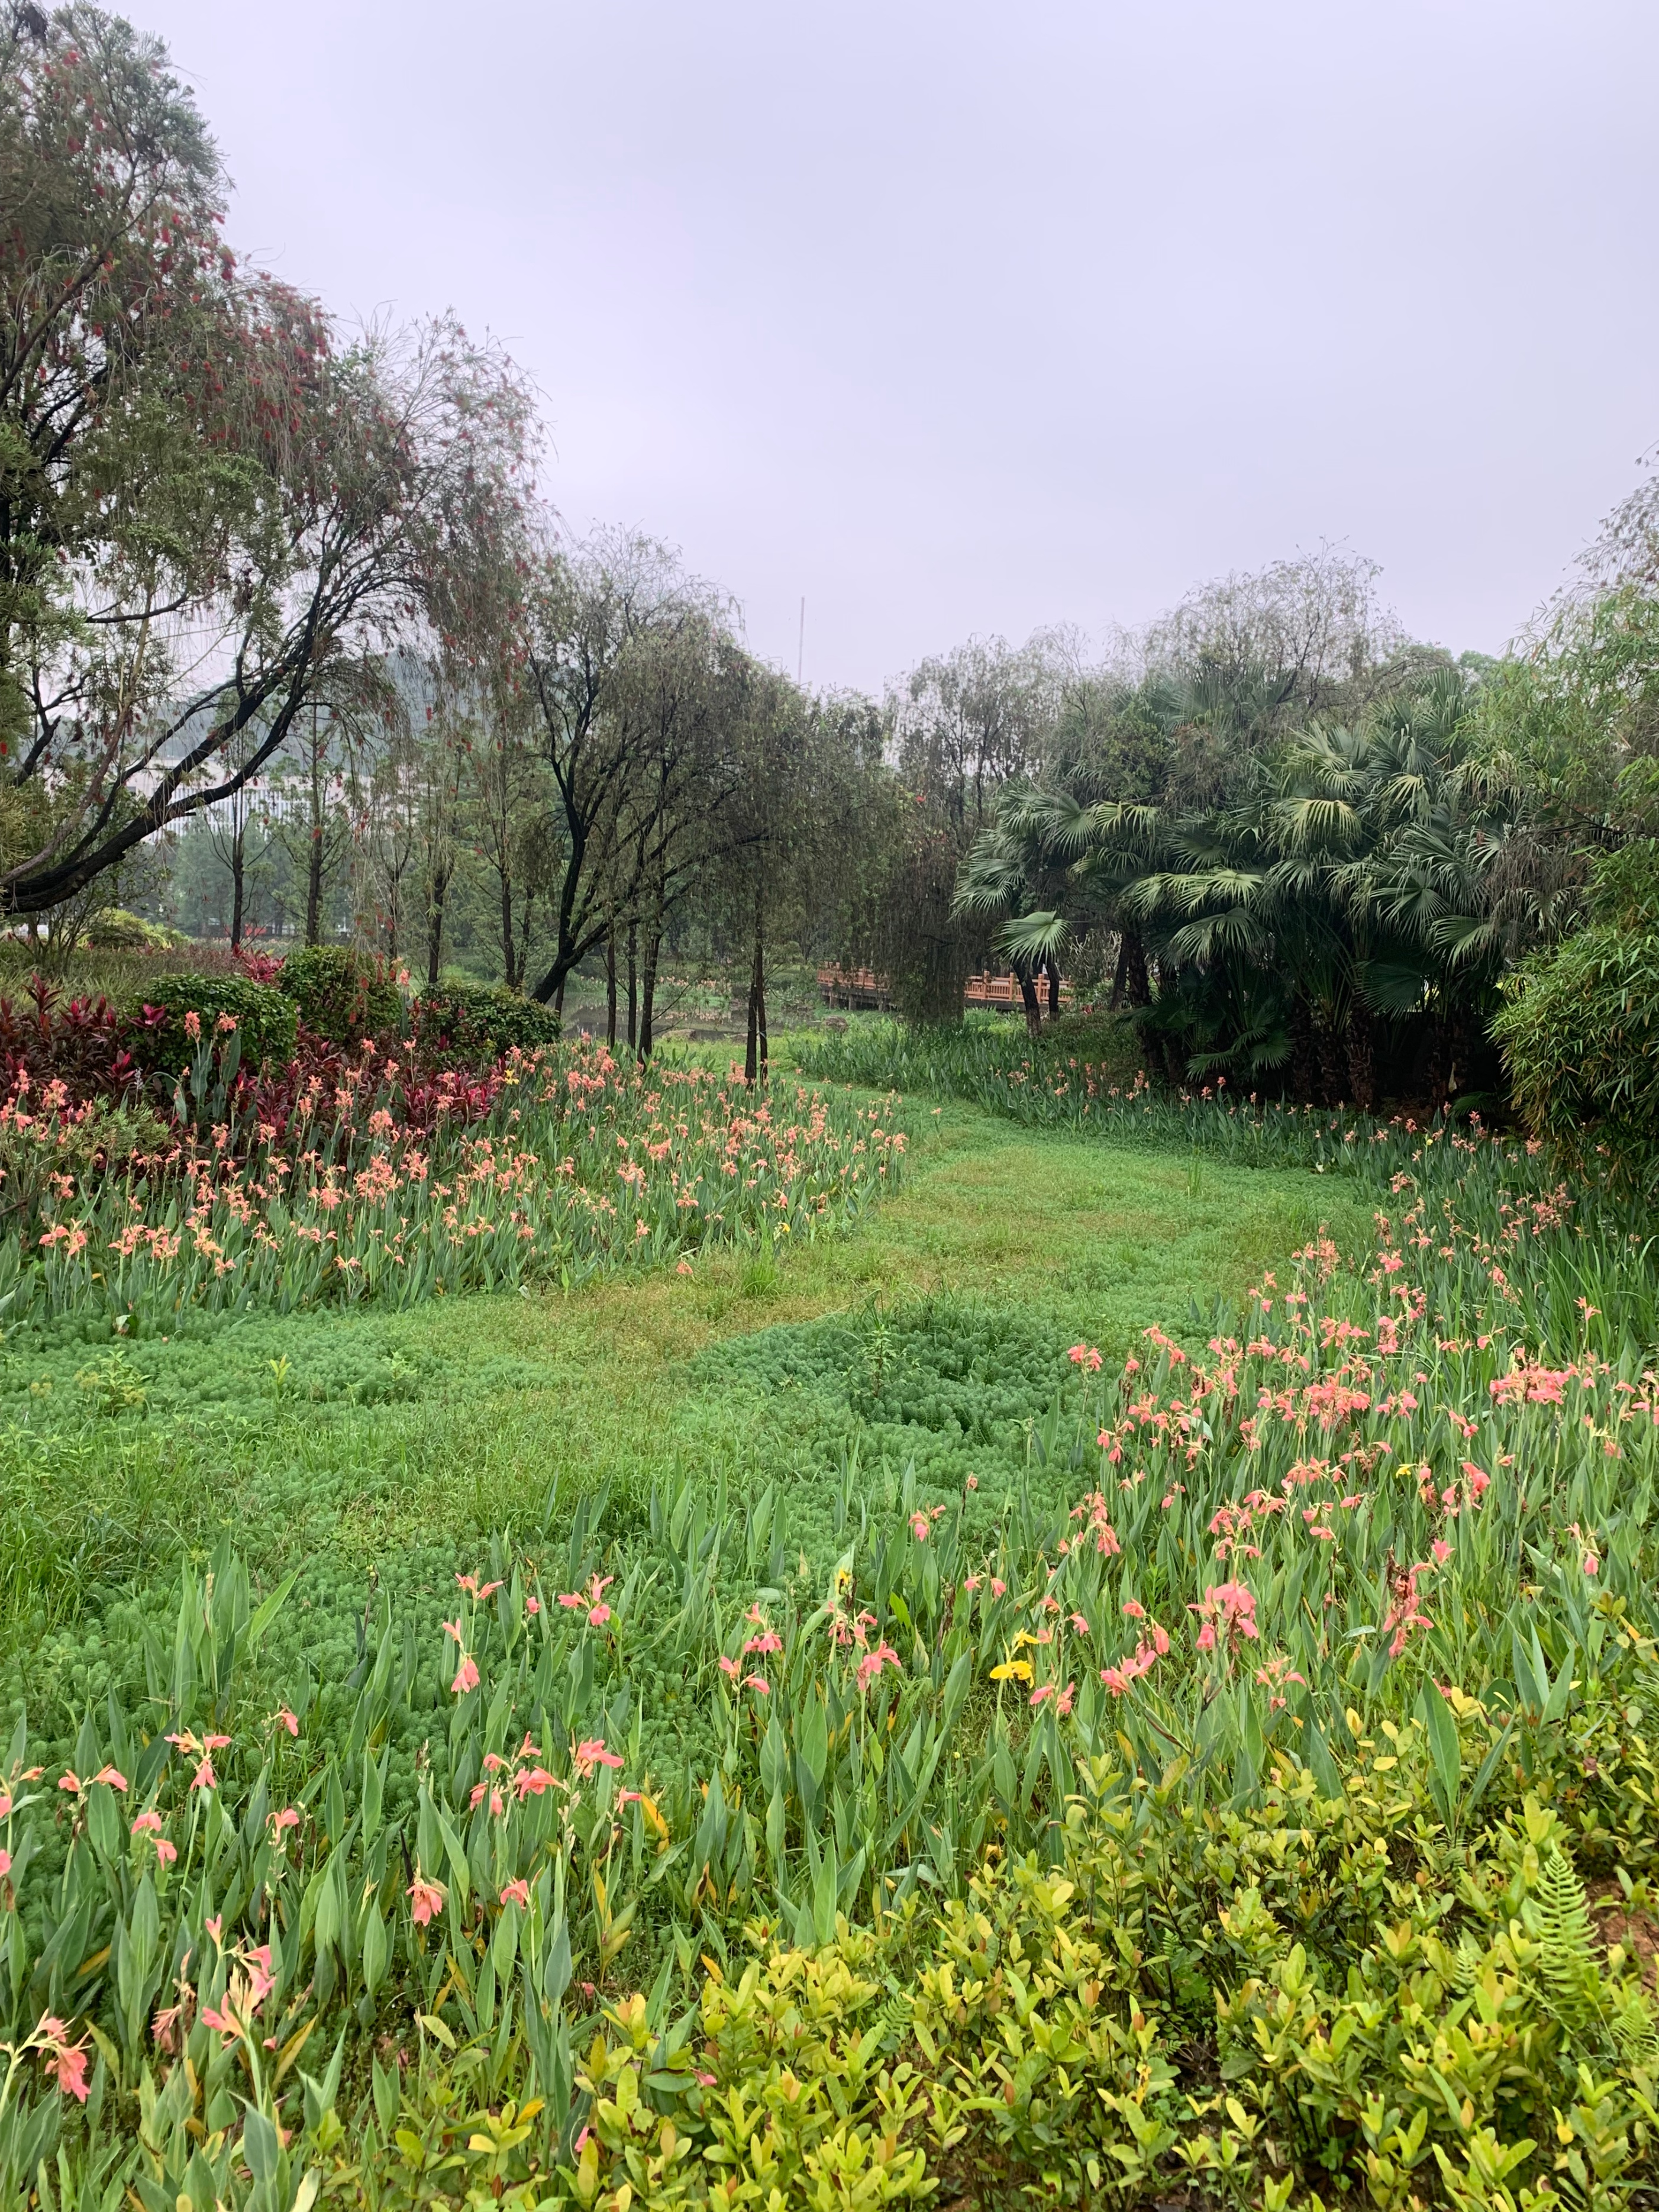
(1017, 868)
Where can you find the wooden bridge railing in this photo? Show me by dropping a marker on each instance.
(862, 986)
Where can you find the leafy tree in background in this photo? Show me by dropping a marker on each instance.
(210, 508)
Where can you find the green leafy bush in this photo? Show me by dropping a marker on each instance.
(265, 1019)
(1579, 1031)
(117, 929)
(342, 994)
(101, 1138)
(1110, 1043)
(480, 1020)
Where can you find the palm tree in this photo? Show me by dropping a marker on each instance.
(1017, 867)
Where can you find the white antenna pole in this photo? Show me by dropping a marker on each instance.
(800, 649)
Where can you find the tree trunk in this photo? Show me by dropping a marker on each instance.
(1120, 972)
(508, 949)
(1460, 1034)
(1333, 1062)
(632, 985)
(754, 1064)
(649, 991)
(435, 931)
(524, 937)
(1054, 991)
(314, 886)
(1029, 1000)
(611, 989)
(1302, 1052)
(1362, 1059)
(236, 849)
(1137, 983)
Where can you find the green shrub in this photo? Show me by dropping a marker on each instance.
(116, 930)
(103, 1138)
(474, 1020)
(264, 1019)
(1111, 1043)
(342, 994)
(1580, 1030)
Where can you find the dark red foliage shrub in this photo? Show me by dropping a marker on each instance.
(259, 967)
(325, 1083)
(87, 1044)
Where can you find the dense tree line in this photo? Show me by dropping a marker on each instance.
(288, 639)
(1316, 859)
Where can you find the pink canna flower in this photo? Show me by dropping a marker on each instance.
(466, 1676)
(516, 1893)
(426, 1898)
(111, 1778)
(453, 1628)
(532, 1605)
(919, 1525)
(5, 1864)
(1079, 1624)
(261, 1980)
(1442, 1551)
(1227, 1609)
(205, 1777)
(757, 1682)
(149, 1824)
(1592, 1564)
(598, 1616)
(591, 1754)
(729, 1666)
(532, 1781)
(70, 2068)
(285, 1718)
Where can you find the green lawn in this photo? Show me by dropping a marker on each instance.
(368, 1439)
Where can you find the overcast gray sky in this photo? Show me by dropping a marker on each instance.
(957, 318)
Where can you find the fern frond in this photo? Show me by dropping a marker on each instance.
(1566, 1961)
(1636, 2034)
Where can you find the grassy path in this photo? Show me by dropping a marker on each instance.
(359, 1436)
